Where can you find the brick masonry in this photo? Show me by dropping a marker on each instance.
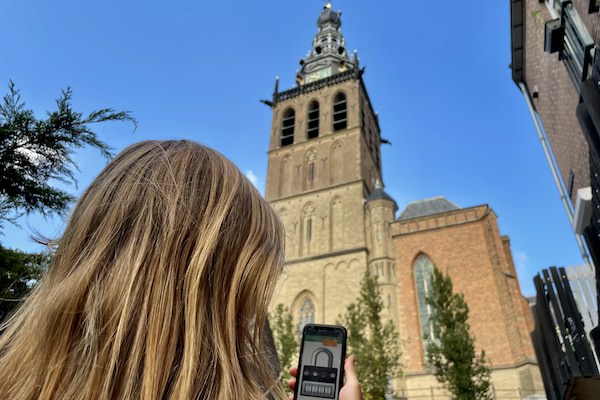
(334, 234)
(557, 97)
(466, 245)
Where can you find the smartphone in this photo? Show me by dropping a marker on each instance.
(321, 365)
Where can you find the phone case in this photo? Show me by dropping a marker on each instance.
(319, 381)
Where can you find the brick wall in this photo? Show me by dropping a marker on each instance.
(466, 244)
(557, 96)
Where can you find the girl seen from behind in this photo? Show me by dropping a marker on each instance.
(158, 289)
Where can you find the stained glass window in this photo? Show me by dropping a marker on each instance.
(306, 314)
(423, 274)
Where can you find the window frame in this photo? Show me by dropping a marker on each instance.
(313, 116)
(306, 315)
(579, 47)
(288, 130)
(342, 123)
(423, 270)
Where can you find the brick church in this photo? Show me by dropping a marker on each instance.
(325, 182)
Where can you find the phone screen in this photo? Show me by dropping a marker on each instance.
(320, 374)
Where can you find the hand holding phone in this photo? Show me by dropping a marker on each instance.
(320, 372)
(351, 389)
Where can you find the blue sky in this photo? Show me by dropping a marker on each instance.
(437, 73)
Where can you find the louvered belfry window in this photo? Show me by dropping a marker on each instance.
(340, 112)
(313, 120)
(287, 127)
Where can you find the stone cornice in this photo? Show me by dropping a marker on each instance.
(327, 255)
(519, 364)
(320, 84)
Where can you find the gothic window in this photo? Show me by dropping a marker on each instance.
(337, 163)
(336, 227)
(286, 176)
(287, 127)
(423, 273)
(307, 232)
(310, 173)
(306, 314)
(313, 120)
(340, 112)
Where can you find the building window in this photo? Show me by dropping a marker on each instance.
(311, 172)
(554, 6)
(340, 112)
(306, 314)
(309, 169)
(423, 275)
(313, 120)
(571, 183)
(287, 127)
(309, 229)
(578, 50)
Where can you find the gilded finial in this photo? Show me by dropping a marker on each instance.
(328, 5)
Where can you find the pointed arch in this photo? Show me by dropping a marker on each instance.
(288, 124)
(423, 272)
(336, 223)
(307, 229)
(337, 162)
(304, 310)
(340, 112)
(286, 176)
(310, 169)
(313, 120)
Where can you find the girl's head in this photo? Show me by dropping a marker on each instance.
(159, 287)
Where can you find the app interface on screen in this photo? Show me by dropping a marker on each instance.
(320, 374)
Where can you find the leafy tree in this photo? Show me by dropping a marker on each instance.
(35, 151)
(451, 354)
(286, 344)
(19, 272)
(374, 343)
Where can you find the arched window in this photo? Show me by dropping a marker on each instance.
(310, 173)
(306, 314)
(287, 127)
(308, 233)
(313, 120)
(340, 113)
(423, 275)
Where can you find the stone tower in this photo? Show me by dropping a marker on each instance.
(324, 180)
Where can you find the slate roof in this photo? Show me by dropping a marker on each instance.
(430, 206)
(379, 194)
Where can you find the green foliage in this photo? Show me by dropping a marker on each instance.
(35, 151)
(374, 343)
(452, 355)
(19, 272)
(286, 344)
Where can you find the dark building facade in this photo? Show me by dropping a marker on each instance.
(556, 66)
(555, 63)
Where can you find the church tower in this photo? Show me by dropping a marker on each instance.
(324, 180)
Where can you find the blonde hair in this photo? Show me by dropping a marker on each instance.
(159, 287)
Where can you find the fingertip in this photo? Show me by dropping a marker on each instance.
(292, 383)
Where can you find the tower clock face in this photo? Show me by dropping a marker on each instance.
(318, 74)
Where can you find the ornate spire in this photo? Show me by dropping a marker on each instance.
(329, 54)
